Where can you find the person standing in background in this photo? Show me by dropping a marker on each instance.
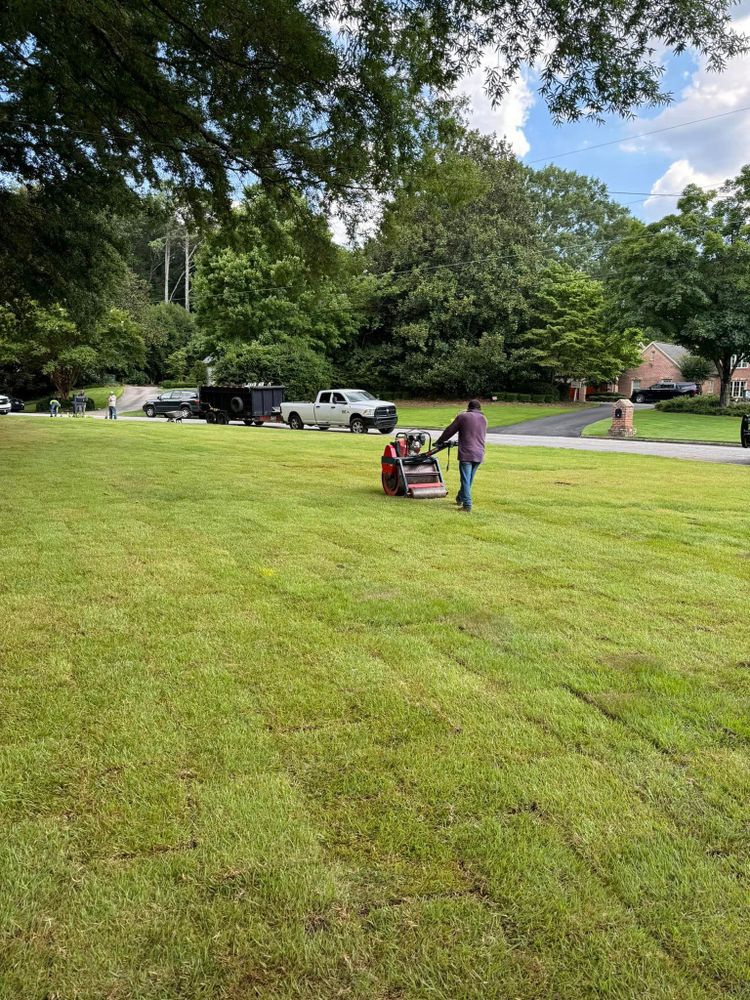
(112, 406)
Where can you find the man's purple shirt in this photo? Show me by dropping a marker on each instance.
(472, 430)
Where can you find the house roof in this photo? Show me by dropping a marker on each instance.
(673, 351)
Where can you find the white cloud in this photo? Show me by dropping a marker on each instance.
(673, 181)
(509, 117)
(708, 152)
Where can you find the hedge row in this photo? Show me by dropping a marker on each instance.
(707, 406)
(175, 384)
(525, 397)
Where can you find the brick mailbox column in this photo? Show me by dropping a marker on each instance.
(622, 419)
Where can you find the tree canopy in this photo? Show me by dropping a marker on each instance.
(324, 95)
(688, 275)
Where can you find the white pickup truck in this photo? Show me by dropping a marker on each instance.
(352, 408)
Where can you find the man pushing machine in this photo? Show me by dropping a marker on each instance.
(471, 426)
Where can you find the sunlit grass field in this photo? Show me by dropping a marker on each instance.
(676, 427)
(269, 733)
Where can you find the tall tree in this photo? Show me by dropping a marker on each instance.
(577, 219)
(569, 334)
(316, 94)
(272, 272)
(688, 275)
(453, 259)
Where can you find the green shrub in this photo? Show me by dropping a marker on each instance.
(538, 397)
(300, 369)
(550, 397)
(708, 406)
(499, 396)
(605, 397)
(511, 397)
(524, 397)
(177, 384)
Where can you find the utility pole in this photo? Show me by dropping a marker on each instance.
(187, 269)
(167, 259)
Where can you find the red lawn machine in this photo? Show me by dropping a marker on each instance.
(407, 471)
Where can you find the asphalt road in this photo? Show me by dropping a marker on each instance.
(722, 454)
(562, 425)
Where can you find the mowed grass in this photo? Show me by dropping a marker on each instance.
(434, 416)
(676, 427)
(268, 733)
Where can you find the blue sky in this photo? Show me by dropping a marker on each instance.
(663, 164)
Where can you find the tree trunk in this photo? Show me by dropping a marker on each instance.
(726, 370)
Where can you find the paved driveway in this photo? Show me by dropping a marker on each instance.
(564, 424)
(561, 425)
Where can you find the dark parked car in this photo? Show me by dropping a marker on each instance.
(16, 405)
(665, 390)
(186, 400)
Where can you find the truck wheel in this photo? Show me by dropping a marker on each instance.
(149, 411)
(639, 398)
(295, 422)
(357, 425)
(385, 430)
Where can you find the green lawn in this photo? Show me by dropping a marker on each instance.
(268, 733)
(439, 415)
(676, 427)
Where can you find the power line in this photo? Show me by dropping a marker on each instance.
(640, 135)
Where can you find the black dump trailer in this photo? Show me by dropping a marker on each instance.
(253, 404)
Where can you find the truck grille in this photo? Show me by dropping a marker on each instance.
(385, 416)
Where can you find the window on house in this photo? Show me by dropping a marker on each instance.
(636, 385)
(738, 387)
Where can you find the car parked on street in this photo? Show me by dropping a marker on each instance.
(664, 389)
(5, 405)
(187, 401)
(16, 405)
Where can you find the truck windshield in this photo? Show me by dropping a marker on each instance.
(359, 396)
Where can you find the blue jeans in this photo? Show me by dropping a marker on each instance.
(112, 412)
(467, 471)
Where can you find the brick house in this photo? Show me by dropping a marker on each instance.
(662, 361)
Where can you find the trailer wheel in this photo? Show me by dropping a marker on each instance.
(221, 418)
(295, 422)
(258, 423)
(237, 404)
(210, 417)
(745, 432)
(357, 425)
